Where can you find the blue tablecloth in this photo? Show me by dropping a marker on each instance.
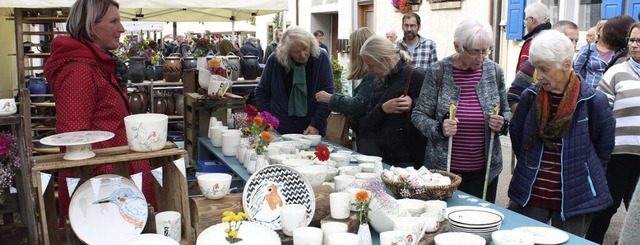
(512, 219)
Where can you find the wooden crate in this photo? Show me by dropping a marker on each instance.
(171, 196)
(196, 121)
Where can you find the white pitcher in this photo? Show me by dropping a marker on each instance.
(218, 85)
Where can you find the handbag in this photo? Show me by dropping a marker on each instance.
(338, 129)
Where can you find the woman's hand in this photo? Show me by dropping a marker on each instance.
(311, 130)
(496, 122)
(323, 97)
(398, 105)
(450, 127)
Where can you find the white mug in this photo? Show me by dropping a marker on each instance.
(342, 182)
(339, 204)
(329, 228)
(437, 207)
(307, 236)
(168, 224)
(344, 238)
(410, 224)
(292, 216)
(217, 86)
(230, 144)
(431, 223)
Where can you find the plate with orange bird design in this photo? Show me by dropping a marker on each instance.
(272, 187)
(118, 213)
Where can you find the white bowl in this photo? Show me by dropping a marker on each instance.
(305, 143)
(512, 237)
(292, 136)
(366, 175)
(315, 174)
(367, 167)
(458, 238)
(146, 132)
(297, 162)
(384, 212)
(307, 154)
(9, 107)
(368, 159)
(414, 206)
(315, 139)
(331, 172)
(350, 170)
(342, 159)
(326, 163)
(278, 158)
(214, 185)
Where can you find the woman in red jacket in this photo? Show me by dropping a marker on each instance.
(88, 95)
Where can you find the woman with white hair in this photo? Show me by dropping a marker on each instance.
(476, 85)
(396, 86)
(562, 135)
(290, 80)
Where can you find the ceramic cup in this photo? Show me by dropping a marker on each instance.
(307, 236)
(431, 223)
(437, 207)
(415, 206)
(396, 237)
(168, 224)
(292, 216)
(344, 238)
(342, 159)
(409, 224)
(330, 228)
(218, 123)
(230, 143)
(214, 185)
(342, 182)
(212, 121)
(339, 204)
(216, 135)
(289, 149)
(8, 107)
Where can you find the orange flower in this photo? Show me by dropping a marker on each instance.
(266, 136)
(362, 196)
(258, 120)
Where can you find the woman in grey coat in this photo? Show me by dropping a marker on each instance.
(476, 85)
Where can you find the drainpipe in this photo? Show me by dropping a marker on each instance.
(496, 16)
(297, 12)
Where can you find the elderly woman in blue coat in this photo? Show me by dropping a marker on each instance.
(476, 85)
(562, 135)
(290, 80)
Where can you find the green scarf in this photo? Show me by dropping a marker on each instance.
(298, 96)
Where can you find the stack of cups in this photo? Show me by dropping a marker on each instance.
(230, 140)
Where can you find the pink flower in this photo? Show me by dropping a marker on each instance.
(5, 144)
(270, 119)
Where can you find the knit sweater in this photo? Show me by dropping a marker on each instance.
(620, 85)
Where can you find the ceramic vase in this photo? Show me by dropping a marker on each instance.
(242, 147)
(250, 162)
(137, 69)
(172, 68)
(247, 156)
(365, 234)
(37, 85)
(261, 162)
(233, 64)
(250, 67)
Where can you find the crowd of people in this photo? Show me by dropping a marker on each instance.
(574, 134)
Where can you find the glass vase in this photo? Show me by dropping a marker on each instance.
(365, 234)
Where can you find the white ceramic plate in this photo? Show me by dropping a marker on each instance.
(251, 233)
(78, 143)
(474, 218)
(113, 217)
(544, 235)
(459, 238)
(272, 187)
(150, 239)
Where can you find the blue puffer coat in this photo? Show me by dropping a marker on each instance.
(586, 149)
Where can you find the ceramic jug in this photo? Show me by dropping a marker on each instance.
(150, 74)
(37, 86)
(160, 105)
(171, 106)
(180, 104)
(189, 62)
(136, 103)
(233, 64)
(157, 70)
(137, 70)
(218, 86)
(172, 68)
(250, 67)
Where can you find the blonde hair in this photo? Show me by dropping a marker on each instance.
(84, 15)
(382, 51)
(357, 38)
(296, 35)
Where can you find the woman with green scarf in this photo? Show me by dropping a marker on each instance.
(290, 80)
(562, 135)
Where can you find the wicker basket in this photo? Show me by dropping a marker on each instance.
(429, 192)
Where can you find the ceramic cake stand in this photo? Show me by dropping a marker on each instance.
(78, 143)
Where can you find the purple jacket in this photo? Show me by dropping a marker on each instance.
(272, 94)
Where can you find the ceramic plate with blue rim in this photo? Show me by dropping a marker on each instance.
(272, 187)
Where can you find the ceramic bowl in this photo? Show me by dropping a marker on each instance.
(214, 185)
(292, 136)
(326, 163)
(382, 216)
(307, 154)
(368, 159)
(512, 237)
(8, 107)
(458, 238)
(331, 172)
(146, 132)
(315, 139)
(367, 167)
(414, 206)
(297, 162)
(350, 170)
(342, 159)
(315, 174)
(304, 143)
(278, 158)
(366, 175)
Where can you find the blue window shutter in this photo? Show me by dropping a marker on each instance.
(515, 15)
(611, 8)
(634, 9)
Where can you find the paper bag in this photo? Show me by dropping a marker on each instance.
(338, 129)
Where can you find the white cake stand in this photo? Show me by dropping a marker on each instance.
(78, 143)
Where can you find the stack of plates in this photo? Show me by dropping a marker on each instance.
(475, 220)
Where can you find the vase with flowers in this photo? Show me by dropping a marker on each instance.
(406, 6)
(9, 162)
(235, 222)
(362, 205)
(257, 128)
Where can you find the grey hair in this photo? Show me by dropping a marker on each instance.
(538, 11)
(84, 15)
(296, 35)
(551, 46)
(381, 50)
(473, 31)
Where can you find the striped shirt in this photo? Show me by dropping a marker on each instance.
(547, 189)
(621, 85)
(467, 152)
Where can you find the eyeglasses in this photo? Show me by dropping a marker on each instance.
(409, 26)
(478, 52)
(525, 19)
(632, 40)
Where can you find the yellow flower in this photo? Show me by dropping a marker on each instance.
(236, 218)
(227, 230)
(244, 215)
(233, 234)
(227, 213)
(226, 219)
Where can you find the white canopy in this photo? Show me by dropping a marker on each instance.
(167, 10)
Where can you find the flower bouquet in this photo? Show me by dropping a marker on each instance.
(9, 162)
(257, 127)
(235, 222)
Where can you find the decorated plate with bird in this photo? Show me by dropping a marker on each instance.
(269, 189)
(117, 213)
